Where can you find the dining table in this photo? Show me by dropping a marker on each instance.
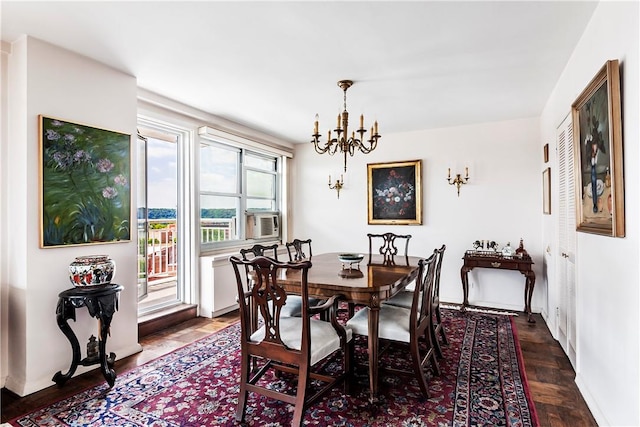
(370, 282)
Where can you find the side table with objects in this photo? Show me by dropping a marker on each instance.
(101, 302)
(519, 261)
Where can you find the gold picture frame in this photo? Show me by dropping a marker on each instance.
(546, 191)
(85, 184)
(598, 166)
(394, 193)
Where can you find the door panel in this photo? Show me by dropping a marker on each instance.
(566, 292)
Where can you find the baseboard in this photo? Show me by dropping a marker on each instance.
(162, 320)
(601, 420)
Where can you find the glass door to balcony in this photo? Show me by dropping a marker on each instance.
(158, 213)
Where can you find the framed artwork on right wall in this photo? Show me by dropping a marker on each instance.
(598, 166)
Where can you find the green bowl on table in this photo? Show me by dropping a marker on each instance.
(350, 257)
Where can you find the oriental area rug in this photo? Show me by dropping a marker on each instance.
(482, 383)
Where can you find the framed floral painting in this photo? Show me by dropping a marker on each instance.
(394, 192)
(85, 184)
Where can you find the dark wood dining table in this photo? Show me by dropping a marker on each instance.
(369, 284)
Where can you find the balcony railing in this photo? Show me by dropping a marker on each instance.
(162, 244)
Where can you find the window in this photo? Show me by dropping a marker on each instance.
(233, 179)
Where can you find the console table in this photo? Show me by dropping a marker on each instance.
(490, 259)
(102, 303)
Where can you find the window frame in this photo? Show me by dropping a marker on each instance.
(245, 148)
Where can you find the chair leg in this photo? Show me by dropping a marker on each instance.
(434, 338)
(414, 349)
(242, 396)
(299, 410)
(441, 326)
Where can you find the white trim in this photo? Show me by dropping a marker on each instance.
(241, 141)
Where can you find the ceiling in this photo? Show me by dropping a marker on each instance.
(274, 65)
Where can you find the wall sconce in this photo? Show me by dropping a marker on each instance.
(338, 185)
(458, 180)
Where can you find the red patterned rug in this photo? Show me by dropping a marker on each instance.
(482, 383)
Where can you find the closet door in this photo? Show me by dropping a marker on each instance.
(565, 258)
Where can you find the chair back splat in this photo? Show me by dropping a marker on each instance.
(388, 248)
(260, 250)
(286, 344)
(299, 249)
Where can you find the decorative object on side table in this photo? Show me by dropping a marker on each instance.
(92, 270)
(490, 245)
(521, 251)
(508, 250)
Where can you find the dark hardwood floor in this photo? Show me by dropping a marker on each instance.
(550, 375)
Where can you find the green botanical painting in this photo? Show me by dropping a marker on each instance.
(86, 176)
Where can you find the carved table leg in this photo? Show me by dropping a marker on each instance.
(464, 277)
(528, 293)
(65, 311)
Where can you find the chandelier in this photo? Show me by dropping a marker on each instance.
(346, 144)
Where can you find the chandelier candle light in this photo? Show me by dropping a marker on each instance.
(343, 142)
(458, 180)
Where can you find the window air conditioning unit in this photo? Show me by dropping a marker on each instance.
(262, 225)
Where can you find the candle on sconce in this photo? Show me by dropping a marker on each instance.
(449, 173)
(375, 127)
(338, 121)
(466, 172)
(361, 121)
(329, 137)
(329, 179)
(315, 125)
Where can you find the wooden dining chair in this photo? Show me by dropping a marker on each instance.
(299, 249)
(405, 299)
(389, 251)
(254, 251)
(437, 326)
(411, 327)
(287, 344)
(260, 250)
(388, 248)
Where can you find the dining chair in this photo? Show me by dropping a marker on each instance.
(405, 299)
(388, 247)
(408, 326)
(388, 250)
(260, 250)
(294, 345)
(254, 251)
(437, 326)
(299, 249)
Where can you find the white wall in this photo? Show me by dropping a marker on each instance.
(45, 79)
(608, 345)
(501, 202)
(5, 49)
